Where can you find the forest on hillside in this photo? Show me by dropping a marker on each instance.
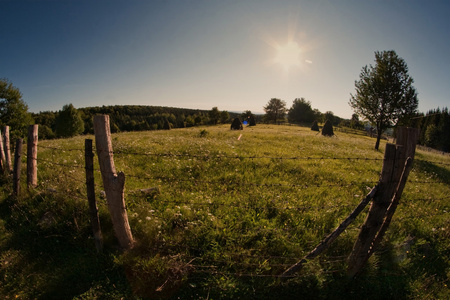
(128, 118)
(434, 125)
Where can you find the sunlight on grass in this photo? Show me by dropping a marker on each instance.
(203, 203)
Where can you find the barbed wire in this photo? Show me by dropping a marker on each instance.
(61, 149)
(60, 164)
(220, 156)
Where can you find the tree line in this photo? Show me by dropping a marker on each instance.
(434, 129)
(385, 98)
(71, 121)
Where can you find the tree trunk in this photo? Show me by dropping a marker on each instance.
(377, 144)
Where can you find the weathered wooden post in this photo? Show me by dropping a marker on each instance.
(377, 211)
(113, 183)
(32, 143)
(393, 178)
(90, 186)
(7, 147)
(2, 155)
(17, 167)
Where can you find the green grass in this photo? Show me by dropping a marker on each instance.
(222, 219)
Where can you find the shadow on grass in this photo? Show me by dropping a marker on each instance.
(46, 252)
(425, 166)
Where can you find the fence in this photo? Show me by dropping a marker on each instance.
(384, 196)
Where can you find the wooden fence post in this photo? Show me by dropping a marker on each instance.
(95, 221)
(393, 177)
(32, 143)
(2, 155)
(17, 167)
(7, 147)
(113, 183)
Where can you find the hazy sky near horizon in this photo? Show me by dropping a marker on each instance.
(200, 54)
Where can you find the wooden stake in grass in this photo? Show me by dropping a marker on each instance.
(17, 167)
(113, 183)
(6, 148)
(2, 155)
(396, 167)
(32, 155)
(90, 186)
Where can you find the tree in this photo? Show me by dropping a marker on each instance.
(275, 110)
(328, 116)
(301, 111)
(355, 123)
(13, 110)
(69, 122)
(214, 115)
(384, 92)
(224, 116)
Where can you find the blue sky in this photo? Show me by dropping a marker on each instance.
(201, 54)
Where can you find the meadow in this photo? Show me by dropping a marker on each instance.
(220, 214)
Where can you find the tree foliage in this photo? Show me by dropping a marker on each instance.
(434, 129)
(301, 112)
(275, 110)
(69, 122)
(13, 110)
(214, 115)
(384, 93)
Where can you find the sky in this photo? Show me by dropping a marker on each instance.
(234, 55)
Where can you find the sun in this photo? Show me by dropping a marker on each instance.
(288, 55)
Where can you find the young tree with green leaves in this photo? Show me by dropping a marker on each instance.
(384, 93)
(13, 110)
(275, 110)
(301, 112)
(69, 122)
(214, 115)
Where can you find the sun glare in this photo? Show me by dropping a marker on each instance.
(288, 55)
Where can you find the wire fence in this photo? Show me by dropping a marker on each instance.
(262, 265)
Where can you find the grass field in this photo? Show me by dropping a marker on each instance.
(220, 214)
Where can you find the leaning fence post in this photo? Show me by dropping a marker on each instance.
(17, 167)
(383, 206)
(90, 186)
(32, 143)
(113, 183)
(375, 216)
(6, 147)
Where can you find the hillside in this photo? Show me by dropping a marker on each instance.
(220, 214)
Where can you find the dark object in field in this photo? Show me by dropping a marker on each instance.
(327, 129)
(315, 126)
(251, 121)
(237, 124)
